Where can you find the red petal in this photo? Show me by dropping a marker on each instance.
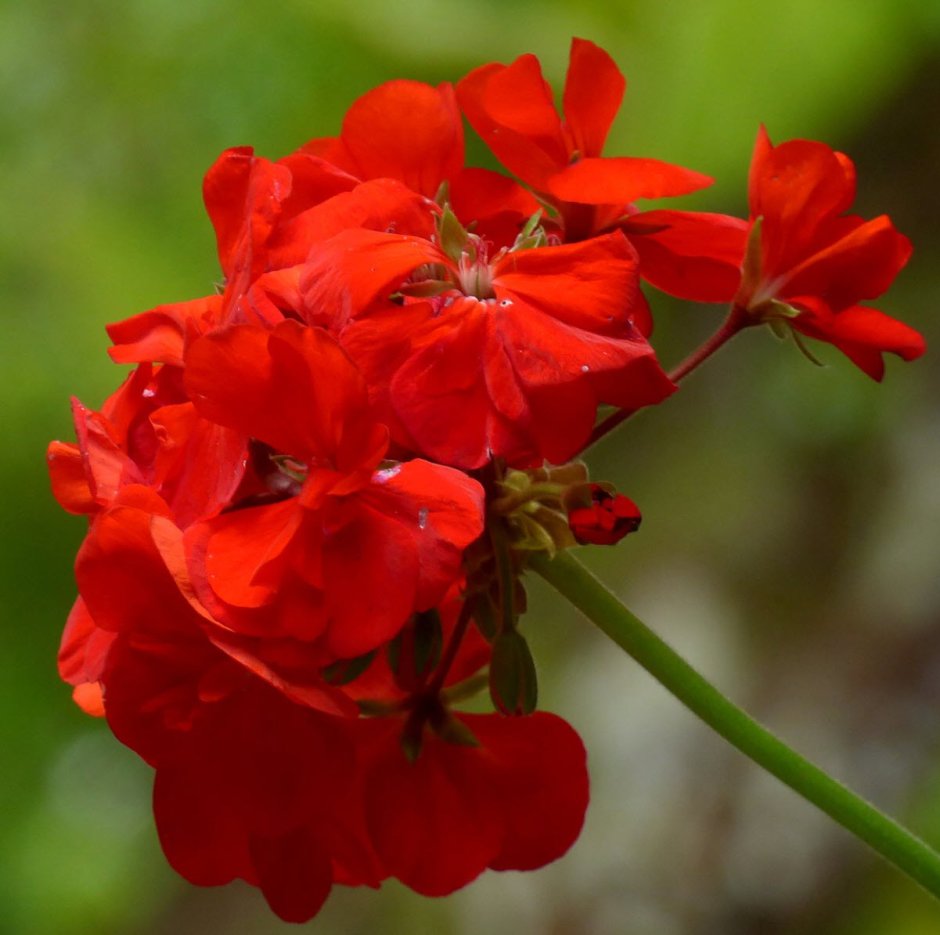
(82, 656)
(228, 376)
(354, 269)
(198, 465)
(594, 90)
(69, 480)
(243, 195)
(441, 510)
(408, 131)
(762, 151)
(540, 785)
(160, 334)
(862, 264)
(294, 871)
(623, 179)
(379, 343)
(689, 254)
(293, 387)
(196, 821)
(241, 545)
(121, 575)
(433, 822)
(89, 696)
(495, 204)
(511, 107)
(592, 284)
(371, 579)
(444, 404)
(861, 333)
(107, 466)
(381, 205)
(799, 185)
(313, 180)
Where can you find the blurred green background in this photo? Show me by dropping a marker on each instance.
(792, 513)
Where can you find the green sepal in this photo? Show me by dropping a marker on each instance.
(429, 640)
(530, 225)
(513, 679)
(452, 730)
(779, 328)
(752, 267)
(426, 289)
(484, 616)
(344, 671)
(777, 309)
(542, 530)
(804, 350)
(416, 648)
(412, 736)
(531, 235)
(452, 234)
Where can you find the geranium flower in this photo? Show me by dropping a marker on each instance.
(511, 107)
(809, 263)
(509, 358)
(355, 548)
(148, 433)
(255, 206)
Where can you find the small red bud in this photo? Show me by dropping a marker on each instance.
(607, 520)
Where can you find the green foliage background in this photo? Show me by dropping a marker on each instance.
(792, 515)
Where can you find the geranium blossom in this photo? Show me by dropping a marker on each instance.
(356, 549)
(811, 263)
(312, 502)
(513, 354)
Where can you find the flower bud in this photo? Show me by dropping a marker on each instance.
(605, 520)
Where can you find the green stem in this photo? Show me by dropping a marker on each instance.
(894, 842)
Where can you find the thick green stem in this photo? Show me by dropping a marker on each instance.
(894, 842)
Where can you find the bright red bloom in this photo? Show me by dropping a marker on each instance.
(249, 783)
(511, 107)
(253, 782)
(148, 434)
(510, 358)
(280, 601)
(811, 263)
(258, 209)
(357, 547)
(607, 520)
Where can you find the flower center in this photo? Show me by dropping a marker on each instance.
(474, 271)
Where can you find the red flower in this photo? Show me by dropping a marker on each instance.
(255, 776)
(148, 434)
(511, 107)
(258, 209)
(358, 547)
(511, 357)
(810, 263)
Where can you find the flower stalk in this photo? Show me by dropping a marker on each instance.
(891, 840)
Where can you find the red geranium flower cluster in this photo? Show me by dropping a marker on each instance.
(311, 501)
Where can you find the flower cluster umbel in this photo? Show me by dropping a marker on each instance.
(312, 499)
